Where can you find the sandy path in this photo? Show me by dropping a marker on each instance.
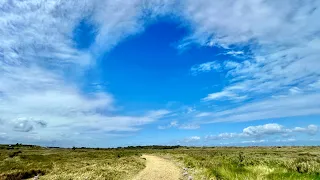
(157, 169)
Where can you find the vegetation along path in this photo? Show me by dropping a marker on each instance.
(158, 168)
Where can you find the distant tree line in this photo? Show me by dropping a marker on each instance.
(17, 146)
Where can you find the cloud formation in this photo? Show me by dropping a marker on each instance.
(224, 95)
(175, 124)
(41, 67)
(283, 49)
(192, 139)
(275, 107)
(264, 131)
(205, 67)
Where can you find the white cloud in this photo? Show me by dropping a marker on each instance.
(192, 139)
(203, 114)
(231, 65)
(221, 136)
(229, 22)
(190, 110)
(189, 126)
(311, 129)
(175, 124)
(254, 141)
(23, 126)
(286, 140)
(170, 125)
(235, 53)
(205, 67)
(40, 67)
(91, 126)
(266, 130)
(37, 52)
(288, 106)
(284, 49)
(295, 90)
(315, 85)
(224, 95)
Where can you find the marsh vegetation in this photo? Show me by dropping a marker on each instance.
(20, 162)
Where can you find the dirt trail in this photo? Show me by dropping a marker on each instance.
(158, 168)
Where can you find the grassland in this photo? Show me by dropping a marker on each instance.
(66, 164)
(203, 163)
(251, 163)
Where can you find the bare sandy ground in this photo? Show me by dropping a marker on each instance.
(157, 169)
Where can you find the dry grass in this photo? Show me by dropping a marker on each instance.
(254, 163)
(66, 164)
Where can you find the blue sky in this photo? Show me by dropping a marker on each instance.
(118, 73)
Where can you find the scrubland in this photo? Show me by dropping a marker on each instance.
(66, 164)
(20, 162)
(251, 162)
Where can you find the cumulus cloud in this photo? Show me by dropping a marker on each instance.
(192, 139)
(311, 129)
(27, 124)
(23, 126)
(221, 136)
(266, 130)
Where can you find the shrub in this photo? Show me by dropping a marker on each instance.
(22, 175)
(15, 153)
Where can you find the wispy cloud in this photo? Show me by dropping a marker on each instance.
(224, 95)
(277, 60)
(287, 106)
(189, 126)
(235, 53)
(205, 67)
(39, 95)
(170, 125)
(175, 124)
(37, 53)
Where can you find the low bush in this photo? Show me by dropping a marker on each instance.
(14, 153)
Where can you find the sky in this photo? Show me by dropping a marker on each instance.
(108, 73)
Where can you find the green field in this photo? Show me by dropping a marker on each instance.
(123, 163)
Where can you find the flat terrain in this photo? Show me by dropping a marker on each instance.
(227, 163)
(158, 169)
(68, 164)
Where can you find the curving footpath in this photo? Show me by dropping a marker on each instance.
(158, 169)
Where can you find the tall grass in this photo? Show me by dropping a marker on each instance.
(66, 164)
(253, 163)
(232, 163)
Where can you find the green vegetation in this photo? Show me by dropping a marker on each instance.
(228, 163)
(66, 164)
(252, 162)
